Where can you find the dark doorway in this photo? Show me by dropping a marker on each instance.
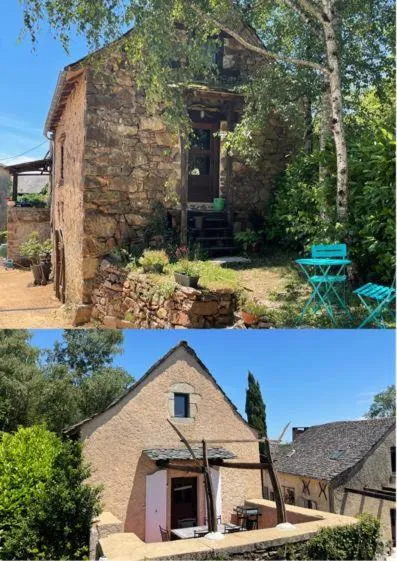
(393, 525)
(203, 162)
(59, 266)
(183, 502)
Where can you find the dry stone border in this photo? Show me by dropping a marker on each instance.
(123, 299)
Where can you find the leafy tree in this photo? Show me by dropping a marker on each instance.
(20, 378)
(256, 415)
(81, 380)
(313, 41)
(384, 404)
(46, 507)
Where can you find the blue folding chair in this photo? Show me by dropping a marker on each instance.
(377, 299)
(331, 262)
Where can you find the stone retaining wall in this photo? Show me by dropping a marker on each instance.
(122, 299)
(21, 222)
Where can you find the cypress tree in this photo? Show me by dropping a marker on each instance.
(255, 410)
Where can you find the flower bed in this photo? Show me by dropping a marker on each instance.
(123, 299)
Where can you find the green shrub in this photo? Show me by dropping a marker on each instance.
(358, 541)
(154, 260)
(255, 308)
(46, 508)
(190, 268)
(248, 239)
(33, 249)
(299, 211)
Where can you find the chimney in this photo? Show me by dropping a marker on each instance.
(296, 431)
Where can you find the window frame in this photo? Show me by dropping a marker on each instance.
(186, 397)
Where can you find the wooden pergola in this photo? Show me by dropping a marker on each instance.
(202, 466)
(37, 167)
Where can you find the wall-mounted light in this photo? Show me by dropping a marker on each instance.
(202, 114)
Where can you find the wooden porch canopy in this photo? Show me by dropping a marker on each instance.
(37, 167)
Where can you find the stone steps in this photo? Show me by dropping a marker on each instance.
(212, 231)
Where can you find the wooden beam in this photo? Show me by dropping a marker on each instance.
(184, 189)
(15, 187)
(229, 441)
(245, 465)
(374, 494)
(192, 469)
(228, 168)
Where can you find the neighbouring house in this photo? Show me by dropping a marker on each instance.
(142, 464)
(347, 467)
(113, 161)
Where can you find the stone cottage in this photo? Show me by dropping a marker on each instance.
(113, 160)
(346, 467)
(140, 460)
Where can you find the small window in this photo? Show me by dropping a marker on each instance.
(393, 459)
(266, 493)
(289, 495)
(181, 405)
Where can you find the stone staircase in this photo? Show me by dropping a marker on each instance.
(212, 231)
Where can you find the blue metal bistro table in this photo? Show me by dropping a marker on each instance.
(325, 276)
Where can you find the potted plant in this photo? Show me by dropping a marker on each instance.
(3, 243)
(187, 273)
(39, 255)
(154, 260)
(218, 204)
(252, 311)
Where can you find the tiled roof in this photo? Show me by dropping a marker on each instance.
(326, 451)
(184, 454)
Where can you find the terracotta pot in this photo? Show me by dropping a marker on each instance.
(186, 280)
(249, 319)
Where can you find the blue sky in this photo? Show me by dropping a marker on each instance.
(28, 81)
(307, 376)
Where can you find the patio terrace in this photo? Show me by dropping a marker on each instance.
(119, 546)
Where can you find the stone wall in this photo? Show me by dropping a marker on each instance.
(67, 192)
(21, 222)
(122, 299)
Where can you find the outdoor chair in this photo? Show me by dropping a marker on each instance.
(165, 535)
(251, 520)
(232, 529)
(200, 533)
(186, 523)
(378, 300)
(334, 251)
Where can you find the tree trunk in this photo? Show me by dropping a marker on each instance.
(308, 120)
(278, 497)
(331, 43)
(325, 129)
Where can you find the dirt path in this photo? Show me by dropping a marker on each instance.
(24, 306)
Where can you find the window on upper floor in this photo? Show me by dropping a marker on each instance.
(181, 405)
(393, 459)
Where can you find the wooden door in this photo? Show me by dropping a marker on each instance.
(183, 501)
(60, 287)
(203, 163)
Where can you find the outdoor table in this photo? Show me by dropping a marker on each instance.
(328, 273)
(188, 533)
